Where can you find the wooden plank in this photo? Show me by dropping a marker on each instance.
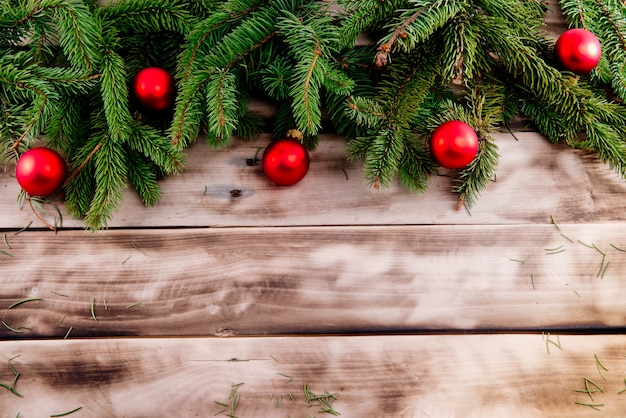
(392, 376)
(257, 281)
(218, 188)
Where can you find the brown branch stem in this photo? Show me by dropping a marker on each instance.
(382, 57)
(307, 81)
(83, 164)
(42, 220)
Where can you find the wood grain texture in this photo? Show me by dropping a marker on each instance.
(373, 376)
(218, 188)
(496, 294)
(256, 281)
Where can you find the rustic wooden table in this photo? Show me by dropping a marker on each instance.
(234, 297)
(380, 303)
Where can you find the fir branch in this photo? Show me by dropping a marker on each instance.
(521, 60)
(83, 164)
(155, 146)
(68, 81)
(111, 170)
(201, 40)
(143, 178)
(337, 82)
(383, 157)
(254, 31)
(212, 32)
(275, 77)
(607, 143)
(366, 112)
(400, 94)
(221, 97)
(149, 16)
(67, 127)
(416, 166)
(475, 178)
(306, 104)
(114, 92)
(416, 25)
(188, 111)
(79, 33)
(361, 16)
(79, 189)
(312, 42)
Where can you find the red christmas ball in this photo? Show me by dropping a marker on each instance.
(41, 171)
(153, 88)
(285, 161)
(454, 144)
(578, 50)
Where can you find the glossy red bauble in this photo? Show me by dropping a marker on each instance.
(41, 171)
(285, 161)
(578, 50)
(153, 88)
(454, 144)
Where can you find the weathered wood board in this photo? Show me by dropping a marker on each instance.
(256, 281)
(535, 179)
(308, 264)
(373, 376)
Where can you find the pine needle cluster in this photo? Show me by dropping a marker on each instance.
(66, 67)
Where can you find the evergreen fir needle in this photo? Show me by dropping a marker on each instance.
(595, 247)
(19, 302)
(558, 228)
(289, 378)
(586, 245)
(67, 334)
(593, 406)
(555, 250)
(549, 342)
(8, 254)
(618, 248)
(23, 229)
(602, 268)
(602, 273)
(6, 242)
(63, 414)
(10, 389)
(138, 249)
(623, 390)
(600, 366)
(59, 294)
(93, 309)
(11, 328)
